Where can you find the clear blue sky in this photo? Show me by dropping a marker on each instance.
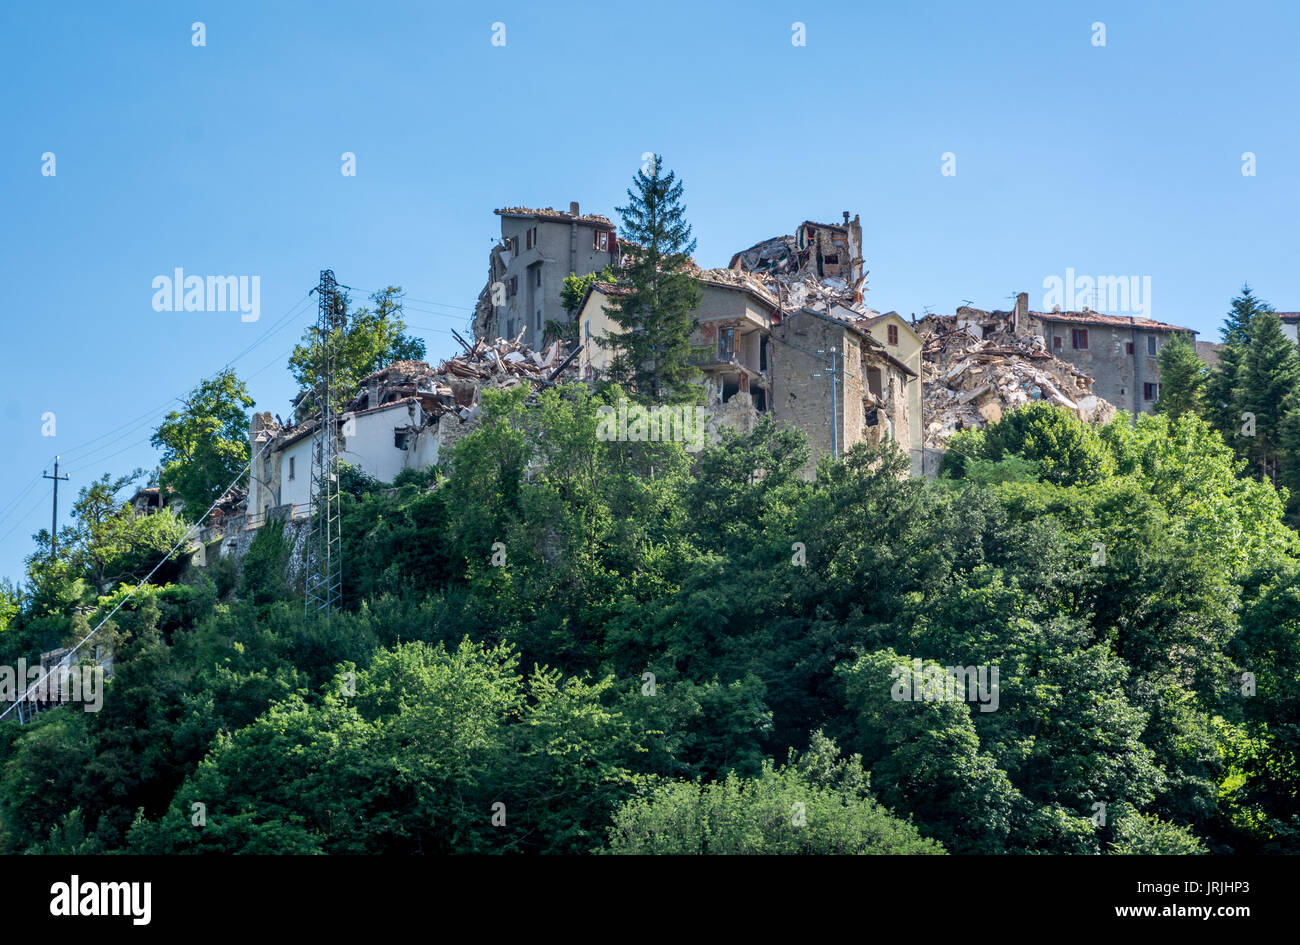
(225, 159)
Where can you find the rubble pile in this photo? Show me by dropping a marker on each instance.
(795, 287)
(969, 381)
(455, 383)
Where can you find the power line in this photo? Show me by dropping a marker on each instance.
(410, 298)
(148, 417)
(12, 505)
(184, 538)
(32, 510)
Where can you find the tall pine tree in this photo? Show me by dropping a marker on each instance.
(1268, 380)
(1222, 407)
(652, 346)
(1182, 378)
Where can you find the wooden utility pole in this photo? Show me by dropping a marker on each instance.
(54, 515)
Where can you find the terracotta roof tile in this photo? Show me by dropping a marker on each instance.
(1096, 318)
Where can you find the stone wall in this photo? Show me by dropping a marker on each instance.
(1118, 376)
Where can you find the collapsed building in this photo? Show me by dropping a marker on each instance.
(1118, 352)
(403, 416)
(979, 365)
(784, 330)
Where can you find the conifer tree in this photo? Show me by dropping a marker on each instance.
(1182, 379)
(1222, 408)
(1289, 436)
(1268, 379)
(652, 345)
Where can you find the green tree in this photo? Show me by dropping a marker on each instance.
(1182, 378)
(368, 339)
(1148, 835)
(652, 347)
(1268, 382)
(110, 542)
(416, 760)
(1065, 450)
(1222, 404)
(817, 803)
(572, 293)
(205, 445)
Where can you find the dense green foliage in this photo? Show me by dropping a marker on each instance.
(1182, 378)
(556, 643)
(205, 445)
(1253, 394)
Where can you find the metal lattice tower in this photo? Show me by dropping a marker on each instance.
(323, 551)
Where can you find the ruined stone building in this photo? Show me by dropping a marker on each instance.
(1117, 351)
(839, 385)
(768, 340)
(404, 416)
(821, 250)
(526, 269)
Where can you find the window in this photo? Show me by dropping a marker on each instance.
(875, 382)
(893, 335)
(831, 259)
(762, 355)
(537, 321)
(1079, 338)
(530, 237)
(399, 439)
(1058, 342)
(513, 286)
(1128, 347)
(727, 344)
(600, 241)
(537, 277)
(1150, 391)
(291, 459)
(1151, 346)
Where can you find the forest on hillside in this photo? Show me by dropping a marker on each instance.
(555, 643)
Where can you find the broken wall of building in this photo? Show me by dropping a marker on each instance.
(971, 381)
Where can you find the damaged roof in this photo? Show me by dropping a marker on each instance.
(738, 280)
(1096, 318)
(559, 216)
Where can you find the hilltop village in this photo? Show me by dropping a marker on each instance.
(783, 330)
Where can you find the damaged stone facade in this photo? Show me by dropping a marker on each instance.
(976, 368)
(816, 250)
(538, 249)
(1119, 352)
(765, 327)
(869, 402)
(404, 416)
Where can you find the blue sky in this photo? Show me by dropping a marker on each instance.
(225, 160)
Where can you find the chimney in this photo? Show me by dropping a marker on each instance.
(1022, 311)
(846, 218)
(573, 208)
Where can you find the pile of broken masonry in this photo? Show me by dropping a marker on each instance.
(455, 383)
(969, 382)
